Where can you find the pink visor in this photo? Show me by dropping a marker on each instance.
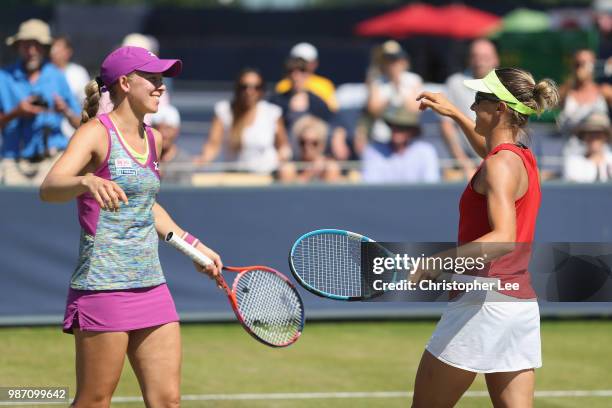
(125, 60)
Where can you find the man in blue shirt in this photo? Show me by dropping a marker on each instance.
(34, 98)
(405, 158)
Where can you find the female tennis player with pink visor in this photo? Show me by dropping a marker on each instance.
(118, 302)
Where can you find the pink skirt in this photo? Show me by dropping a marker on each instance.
(119, 310)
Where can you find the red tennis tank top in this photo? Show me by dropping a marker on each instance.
(474, 223)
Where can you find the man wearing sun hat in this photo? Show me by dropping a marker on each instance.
(405, 158)
(595, 164)
(34, 98)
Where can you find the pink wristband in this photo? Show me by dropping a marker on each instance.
(190, 239)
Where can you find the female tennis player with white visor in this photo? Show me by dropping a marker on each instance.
(499, 338)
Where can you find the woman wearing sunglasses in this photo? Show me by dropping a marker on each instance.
(247, 129)
(496, 332)
(311, 134)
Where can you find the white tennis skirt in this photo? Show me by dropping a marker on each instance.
(488, 332)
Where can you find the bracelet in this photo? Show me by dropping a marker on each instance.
(190, 239)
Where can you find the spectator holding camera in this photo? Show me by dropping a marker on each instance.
(34, 99)
(595, 164)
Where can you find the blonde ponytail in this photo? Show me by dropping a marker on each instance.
(546, 95)
(540, 97)
(92, 100)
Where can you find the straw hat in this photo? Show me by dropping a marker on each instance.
(595, 122)
(32, 29)
(402, 118)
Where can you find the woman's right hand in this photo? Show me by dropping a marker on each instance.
(212, 270)
(107, 193)
(437, 102)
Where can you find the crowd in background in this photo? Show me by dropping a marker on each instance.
(295, 130)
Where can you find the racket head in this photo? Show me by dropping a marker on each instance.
(267, 305)
(327, 262)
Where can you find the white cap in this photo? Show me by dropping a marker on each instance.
(148, 42)
(602, 6)
(167, 115)
(305, 51)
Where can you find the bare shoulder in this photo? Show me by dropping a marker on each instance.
(505, 158)
(86, 150)
(504, 166)
(91, 134)
(92, 128)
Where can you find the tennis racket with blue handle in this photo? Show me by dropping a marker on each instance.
(327, 262)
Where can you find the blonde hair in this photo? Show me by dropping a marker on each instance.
(309, 122)
(93, 93)
(540, 96)
(92, 100)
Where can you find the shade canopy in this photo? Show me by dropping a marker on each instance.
(456, 20)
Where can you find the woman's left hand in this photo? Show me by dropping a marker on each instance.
(436, 102)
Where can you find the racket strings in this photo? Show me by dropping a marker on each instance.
(330, 263)
(269, 306)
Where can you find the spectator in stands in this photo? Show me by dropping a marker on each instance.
(247, 129)
(580, 94)
(311, 134)
(482, 59)
(175, 162)
(34, 98)
(76, 75)
(298, 100)
(363, 125)
(595, 165)
(318, 85)
(404, 158)
(377, 61)
(341, 142)
(395, 88)
(148, 42)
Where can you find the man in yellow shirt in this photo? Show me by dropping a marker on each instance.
(318, 85)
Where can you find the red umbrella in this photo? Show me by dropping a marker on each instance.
(468, 22)
(394, 23)
(457, 21)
